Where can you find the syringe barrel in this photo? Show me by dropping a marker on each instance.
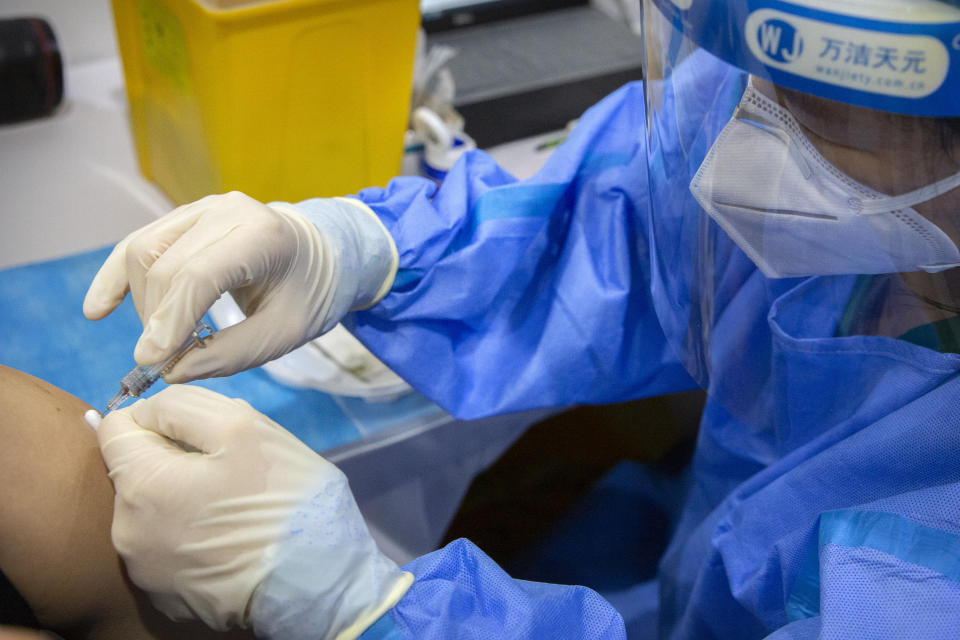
(139, 379)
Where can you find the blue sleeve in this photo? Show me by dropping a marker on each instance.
(461, 593)
(514, 295)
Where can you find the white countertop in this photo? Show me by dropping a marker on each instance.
(69, 182)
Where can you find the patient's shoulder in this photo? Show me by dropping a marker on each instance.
(55, 498)
(25, 399)
(45, 438)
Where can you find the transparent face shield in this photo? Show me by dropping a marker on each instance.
(804, 162)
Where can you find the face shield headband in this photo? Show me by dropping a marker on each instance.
(892, 55)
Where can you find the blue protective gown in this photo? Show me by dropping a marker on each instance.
(824, 499)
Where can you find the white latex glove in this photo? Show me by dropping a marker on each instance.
(253, 524)
(294, 271)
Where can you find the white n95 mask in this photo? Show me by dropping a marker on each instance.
(795, 214)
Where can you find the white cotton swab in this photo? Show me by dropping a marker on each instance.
(93, 418)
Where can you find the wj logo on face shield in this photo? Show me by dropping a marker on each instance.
(852, 57)
(780, 40)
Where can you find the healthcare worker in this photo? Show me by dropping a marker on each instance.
(773, 216)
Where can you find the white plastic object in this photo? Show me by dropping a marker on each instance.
(443, 145)
(335, 363)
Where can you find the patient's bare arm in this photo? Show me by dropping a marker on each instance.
(56, 504)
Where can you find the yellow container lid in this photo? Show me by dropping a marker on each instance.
(283, 100)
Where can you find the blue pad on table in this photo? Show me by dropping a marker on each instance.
(46, 335)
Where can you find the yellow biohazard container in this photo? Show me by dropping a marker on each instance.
(280, 99)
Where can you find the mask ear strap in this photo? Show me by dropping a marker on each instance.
(905, 200)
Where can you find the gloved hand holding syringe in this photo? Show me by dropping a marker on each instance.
(294, 271)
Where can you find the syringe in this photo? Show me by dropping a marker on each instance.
(140, 378)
